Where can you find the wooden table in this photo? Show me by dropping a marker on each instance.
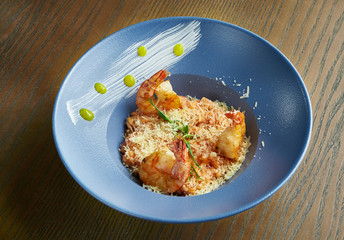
(41, 40)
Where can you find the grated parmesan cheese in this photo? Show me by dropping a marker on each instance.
(247, 94)
(207, 120)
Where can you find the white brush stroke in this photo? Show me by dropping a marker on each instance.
(159, 56)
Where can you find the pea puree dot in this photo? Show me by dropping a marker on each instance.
(100, 88)
(178, 49)
(142, 51)
(129, 80)
(86, 114)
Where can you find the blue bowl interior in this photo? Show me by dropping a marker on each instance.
(278, 114)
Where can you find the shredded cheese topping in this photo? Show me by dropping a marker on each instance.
(207, 121)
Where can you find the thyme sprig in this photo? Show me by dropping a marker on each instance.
(184, 129)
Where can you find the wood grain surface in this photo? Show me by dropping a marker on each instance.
(41, 40)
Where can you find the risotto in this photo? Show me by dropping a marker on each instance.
(182, 145)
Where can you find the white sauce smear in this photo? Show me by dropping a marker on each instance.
(159, 56)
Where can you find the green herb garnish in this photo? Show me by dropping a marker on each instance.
(161, 114)
(187, 143)
(184, 129)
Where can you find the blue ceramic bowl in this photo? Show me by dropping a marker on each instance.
(220, 61)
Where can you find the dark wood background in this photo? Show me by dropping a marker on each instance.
(41, 40)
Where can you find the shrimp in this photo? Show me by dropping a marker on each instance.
(232, 137)
(168, 170)
(166, 97)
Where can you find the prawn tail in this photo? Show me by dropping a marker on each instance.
(158, 77)
(146, 91)
(237, 117)
(181, 168)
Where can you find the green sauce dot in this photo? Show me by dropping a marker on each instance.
(142, 51)
(86, 114)
(178, 49)
(100, 88)
(129, 80)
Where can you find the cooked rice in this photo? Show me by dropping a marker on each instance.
(207, 120)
